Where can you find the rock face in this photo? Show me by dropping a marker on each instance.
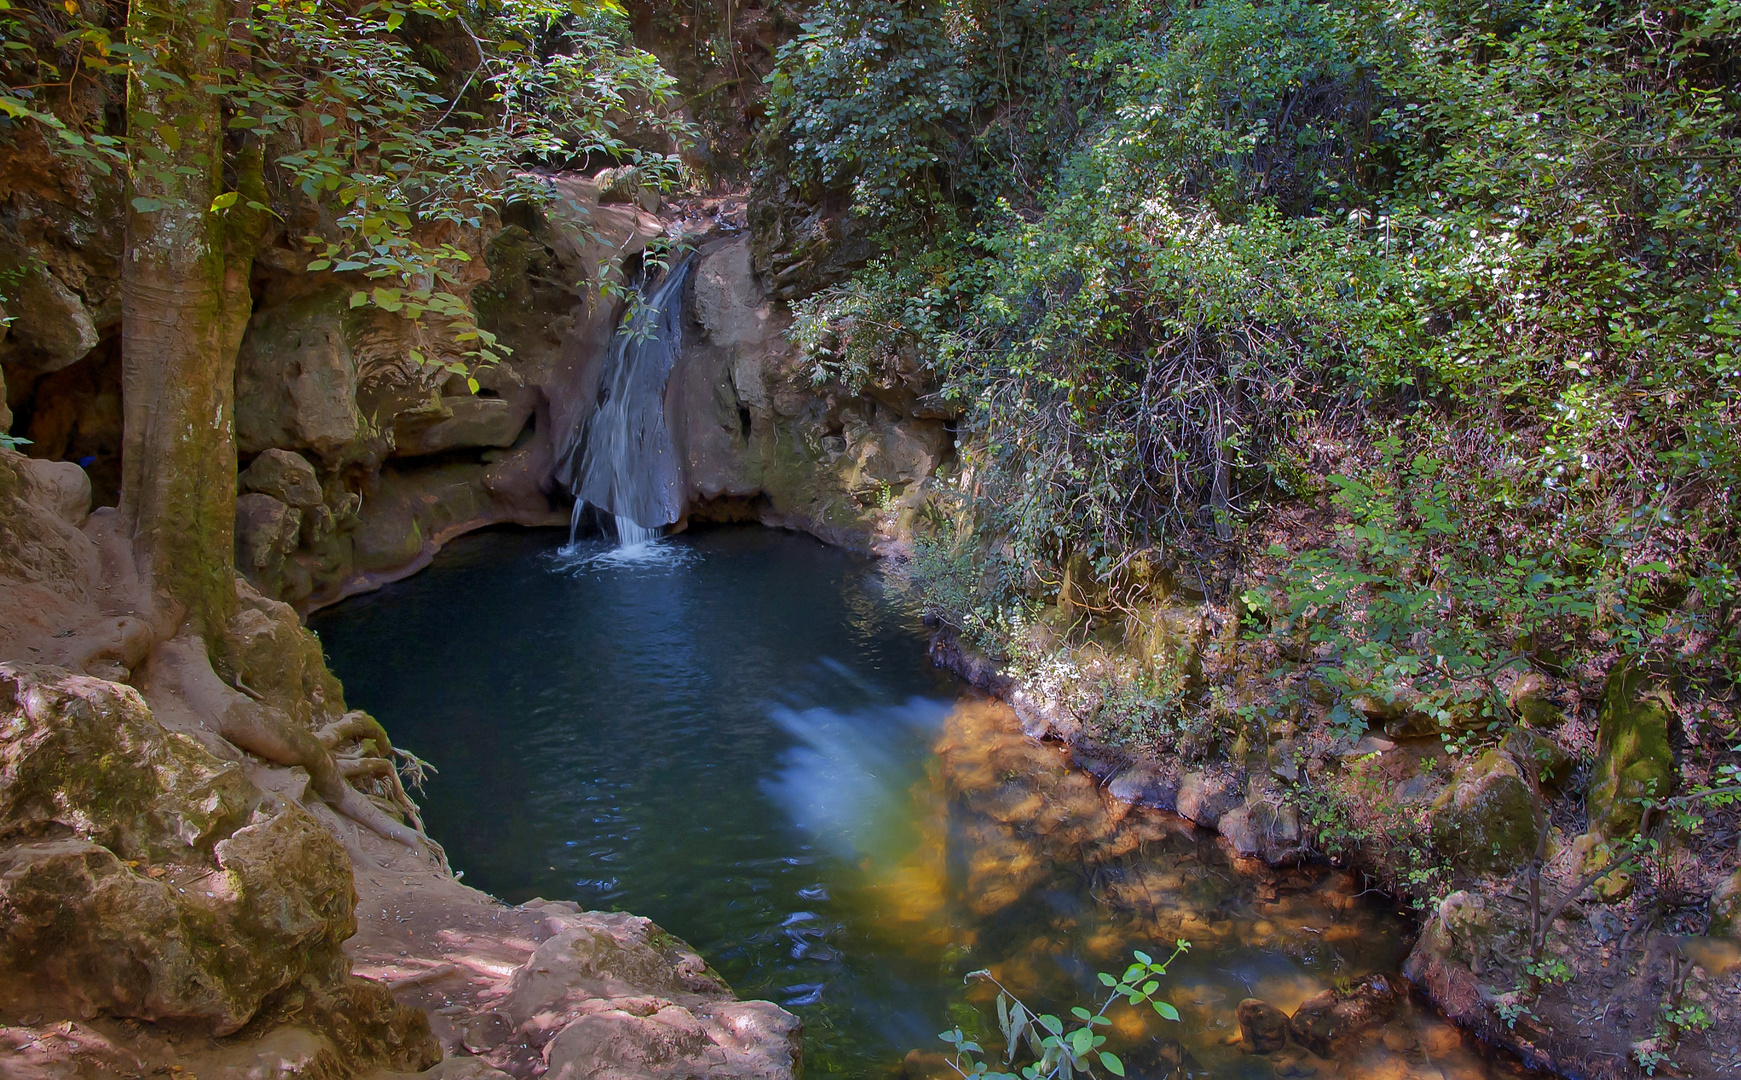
(1486, 820)
(1633, 756)
(143, 877)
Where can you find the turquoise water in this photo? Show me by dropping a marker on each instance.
(736, 732)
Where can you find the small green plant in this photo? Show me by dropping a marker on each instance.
(1059, 1051)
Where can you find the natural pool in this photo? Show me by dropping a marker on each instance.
(737, 733)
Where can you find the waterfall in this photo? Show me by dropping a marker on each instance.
(621, 458)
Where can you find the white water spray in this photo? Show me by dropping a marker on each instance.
(621, 458)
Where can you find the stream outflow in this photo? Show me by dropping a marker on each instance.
(737, 734)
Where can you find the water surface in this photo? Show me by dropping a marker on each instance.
(737, 733)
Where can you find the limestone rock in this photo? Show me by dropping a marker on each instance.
(1633, 756)
(286, 476)
(1266, 830)
(84, 756)
(611, 955)
(1204, 798)
(1725, 908)
(1535, 751)
(729, 304)
(1145, 785)
(51, 328)
(1485, 821)
(62, 487)
(1331, 1020)
(277, 657)
(466, 421)
(133, 880)
(1263, 1026)
(266, 531)
(296, 380)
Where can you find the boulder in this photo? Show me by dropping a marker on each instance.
(1330, 1021)
(1530, 697)
(1536, 752)
(1263, 1026)
(62, 487)
(1266, 830)
(296, 379)
(1146, 785)
(85, 757)
(1725, 909)
(1633, 756)
(266, 531)
(143, 877)
(51, 328)
(1204, 798)
(465, 421)
(286, 476)
(1485, 820)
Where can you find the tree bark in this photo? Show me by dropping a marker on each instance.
(184, 306)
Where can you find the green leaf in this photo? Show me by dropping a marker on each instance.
(1051, 1023)
(1167, 1011)
(169, 136)
(224, 201)
(358, 299)
(146, 206)
(1113, 1065)
(318, 265)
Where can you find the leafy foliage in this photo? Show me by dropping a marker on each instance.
(1058, 1049)
(348, 121)
(1466, 269)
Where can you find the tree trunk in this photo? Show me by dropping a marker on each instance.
(184, 305)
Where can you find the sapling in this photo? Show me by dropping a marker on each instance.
(1059, 1052)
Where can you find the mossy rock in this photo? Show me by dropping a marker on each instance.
(1485, 821)
(1725, 909)
(1633, 758)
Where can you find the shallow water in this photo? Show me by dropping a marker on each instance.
(737, 734)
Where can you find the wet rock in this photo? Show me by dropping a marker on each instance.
(1633, 757)
(296, 380)
(1264, 830)
(1725, 909)
(1263, 1026)
(1146, 785)
(1330, 1021)
(285, 475)
(1204, 797)
(1485, 821)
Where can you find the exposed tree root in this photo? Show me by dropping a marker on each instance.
(253, 728)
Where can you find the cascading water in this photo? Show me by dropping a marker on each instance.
(621, 458)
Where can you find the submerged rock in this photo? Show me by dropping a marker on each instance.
(1263, 1026)
(1330, 1021)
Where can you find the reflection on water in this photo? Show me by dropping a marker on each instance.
(737, 734)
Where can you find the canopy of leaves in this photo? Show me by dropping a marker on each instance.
(1260, 241)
